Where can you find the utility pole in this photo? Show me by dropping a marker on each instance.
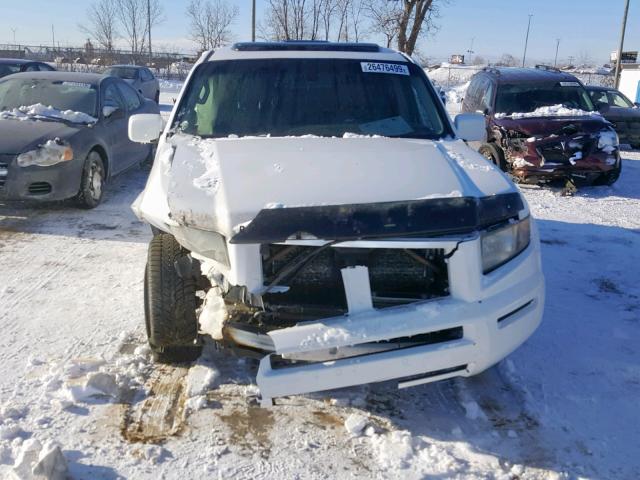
(149, 29)
(53, 37)
(253, 21)
(619, 61)
(470, 51)
(526, 41)
(555, 62)
(14, 35)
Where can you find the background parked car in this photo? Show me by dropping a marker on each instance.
(63, 135)
(140, 78)
(542, 125)
(9, 66)
(620, 111)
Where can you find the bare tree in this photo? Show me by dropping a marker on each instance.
(478, 60)
(384, 16)
(210, 22)
(135, 17)
(299, 19)
(507, 60)
(404, 21)
(417, 19)
(101, 23)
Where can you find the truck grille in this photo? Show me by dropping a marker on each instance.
(397, 276)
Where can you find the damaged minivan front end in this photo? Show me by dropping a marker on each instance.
(580, 148)
(355, 251)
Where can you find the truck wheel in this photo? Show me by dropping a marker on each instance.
(92, 181)
(494, 154)
(169, 304)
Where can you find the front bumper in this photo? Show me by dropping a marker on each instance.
(55, 182)
(497, 312)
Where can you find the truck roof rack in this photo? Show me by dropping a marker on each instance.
(305, 45)
(548, 68)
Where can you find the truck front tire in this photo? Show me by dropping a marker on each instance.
(170, 304)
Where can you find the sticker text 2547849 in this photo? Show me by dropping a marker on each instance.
(374, 67)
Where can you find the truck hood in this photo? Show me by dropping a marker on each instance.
(222, 185)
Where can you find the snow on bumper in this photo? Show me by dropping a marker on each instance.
(496, 313)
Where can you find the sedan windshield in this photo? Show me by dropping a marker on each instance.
(17, 93)
(528, 97)
(127, 73)
(329, 98)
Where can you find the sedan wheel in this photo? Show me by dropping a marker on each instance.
(92, 183)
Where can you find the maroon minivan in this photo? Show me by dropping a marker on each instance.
(542, 126)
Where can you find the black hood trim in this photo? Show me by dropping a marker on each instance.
(429, 217)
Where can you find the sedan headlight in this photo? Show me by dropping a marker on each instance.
(50, 153)
(501, 244)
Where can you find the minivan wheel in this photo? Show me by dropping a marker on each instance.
(92, 181)
(494, 154)
(169, 304)
(610, 177)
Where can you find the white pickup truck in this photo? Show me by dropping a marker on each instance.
(314, 206)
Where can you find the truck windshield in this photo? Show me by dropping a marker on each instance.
(322, 97)
(527, 97)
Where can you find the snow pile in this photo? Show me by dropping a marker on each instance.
(213, 314)
(550, 111)
(42, 111)
(456, 94)
(450, 75)
(355, 424)
(38, 462)
(393, 450)
(200, 379)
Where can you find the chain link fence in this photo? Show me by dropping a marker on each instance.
(170, 66)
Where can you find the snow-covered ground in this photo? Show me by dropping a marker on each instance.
(74, 369)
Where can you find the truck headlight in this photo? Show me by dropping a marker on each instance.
(502, 243)
(47, 154)
(608, 140)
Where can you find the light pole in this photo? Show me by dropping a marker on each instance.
(253, 21)
(555, 62)
(149, 29)
(526, 41)
(14, 35)
(619, 61)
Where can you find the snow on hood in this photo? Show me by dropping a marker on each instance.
(550, 111)
(39, 110)
(218, 184)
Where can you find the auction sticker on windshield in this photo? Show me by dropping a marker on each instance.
(372, 67)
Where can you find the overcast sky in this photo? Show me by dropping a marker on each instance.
(585, 27)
